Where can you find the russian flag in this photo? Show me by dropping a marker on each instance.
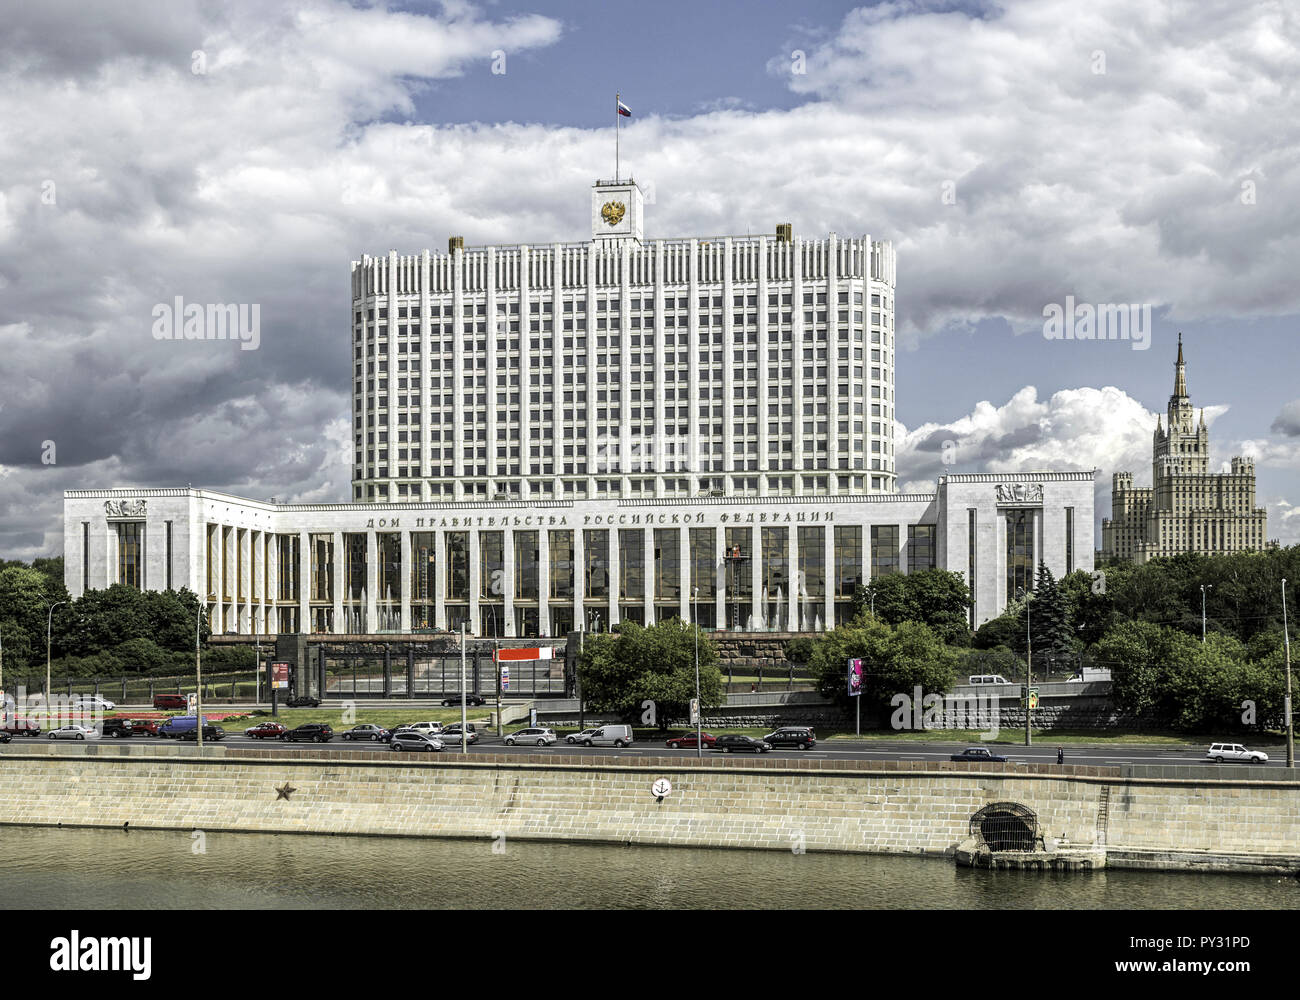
(624, 110)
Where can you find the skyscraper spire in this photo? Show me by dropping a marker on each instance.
(1180, 367)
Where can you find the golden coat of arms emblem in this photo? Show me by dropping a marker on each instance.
(612, 212)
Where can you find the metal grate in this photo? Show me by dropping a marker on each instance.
(1005, 826)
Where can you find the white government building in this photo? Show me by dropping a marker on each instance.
(649, 428)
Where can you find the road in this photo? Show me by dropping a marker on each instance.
(839, 749)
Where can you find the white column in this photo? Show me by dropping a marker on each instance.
(829, 577)
(792, 576)
(338, 580)
(404, 577)
(543, 583)
(475, 582)
(304, 582)
(372, 580)
(648, 537)
(579, 577)
(508, 582)
(439, 579)
(687, 572)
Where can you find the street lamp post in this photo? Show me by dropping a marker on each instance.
(49, 626)
(699, 714)
(1290, 725)
(198, 679)
(1204, 588)
(1029, 667)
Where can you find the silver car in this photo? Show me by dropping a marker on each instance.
(541, 737)
(73, 733)
(409, 739)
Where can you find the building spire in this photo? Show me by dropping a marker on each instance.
(1180, 367)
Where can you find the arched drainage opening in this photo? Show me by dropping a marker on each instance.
(1005, 826)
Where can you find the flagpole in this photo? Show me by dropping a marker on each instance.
(618, 127)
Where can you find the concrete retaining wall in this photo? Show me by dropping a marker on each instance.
(893, 807)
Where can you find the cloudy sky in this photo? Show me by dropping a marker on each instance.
(1016, 154)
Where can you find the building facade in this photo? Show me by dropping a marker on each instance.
(1187, 508)
(623, 368)
(571, 436)
(534, 568)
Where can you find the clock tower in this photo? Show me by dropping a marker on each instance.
(617, 211)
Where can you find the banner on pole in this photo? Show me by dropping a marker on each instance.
(855, 678)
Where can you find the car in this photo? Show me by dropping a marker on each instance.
(210, 732)
(429, 728)
(178, 725)
(735, 743)
(409, 739)
(20, 727)
(541, 737)
(987, 679)
(302, 701)
(451, 734)
(73, 733)
(579, 737)
(1219, 752)
(266, 730)
(313, 732)
(144, 727)
(607, 736)
(687, 742)
(4, 737)
(802, 737)
(94, 703)
(367, 732)
(978, 754)
(117, 728)
(470, 699)
(170, 701)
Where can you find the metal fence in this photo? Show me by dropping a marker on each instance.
(422, 677)
(139, 690)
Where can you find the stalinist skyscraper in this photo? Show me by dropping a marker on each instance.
(1187, 508)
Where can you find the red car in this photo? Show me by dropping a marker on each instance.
(170, 701)
(21, 727)
(266, 731)
(687, 742)
(144, 727)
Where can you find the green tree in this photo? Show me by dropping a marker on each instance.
(938, 598)
(1048, 623)
(897, 659)
(1142, 658)
(619, 671)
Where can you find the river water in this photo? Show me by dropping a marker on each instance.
(93, 869)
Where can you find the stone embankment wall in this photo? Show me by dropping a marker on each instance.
(814, 804)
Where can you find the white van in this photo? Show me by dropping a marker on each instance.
(987, 679)
(609, 736)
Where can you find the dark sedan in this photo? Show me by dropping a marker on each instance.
(303, 701)
(978, 754)
(313, 732)
(470, 699)
(732, 743)
(367, 732)
(210, 732)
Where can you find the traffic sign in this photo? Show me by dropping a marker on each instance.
(505, 677)
(1033, 697)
